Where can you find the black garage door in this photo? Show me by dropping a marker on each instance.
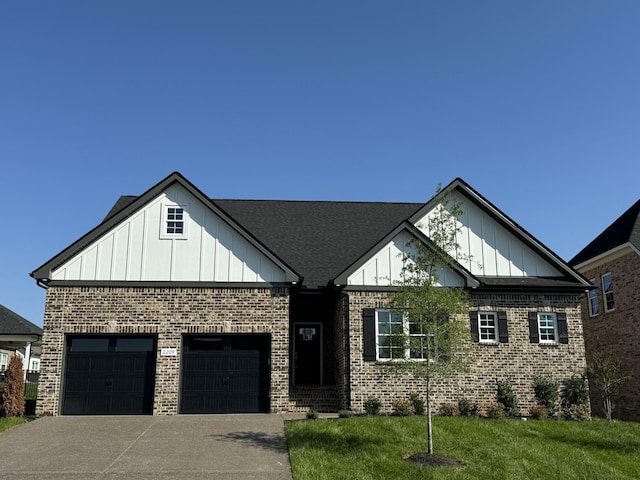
(109, 375)
(225, 374)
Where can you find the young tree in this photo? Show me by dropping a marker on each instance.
(604, 372)
(437, 339)
(13, 389)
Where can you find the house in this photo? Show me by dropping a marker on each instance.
(179, 303)
(19, 337)
(611, 313)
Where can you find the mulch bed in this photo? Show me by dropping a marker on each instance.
(433, 460)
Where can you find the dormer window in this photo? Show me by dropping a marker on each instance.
(174, 223)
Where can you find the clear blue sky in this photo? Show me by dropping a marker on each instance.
(536, 104)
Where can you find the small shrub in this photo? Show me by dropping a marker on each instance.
(12, 397)
(507, 397)
(546, 392)
(495, 410)
(468, 408)
(372, 406)
(312, 414)
(538, 412)
(576, 413)
(345, 414)
(448, 410)
(418, 403)
(402, 408)
(574, 392)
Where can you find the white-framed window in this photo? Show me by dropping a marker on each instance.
(4, 360)
(607, 292)
(547, 327)
(594, 306)
(399, 339)
(174, 221)
(488, 327)
(34, 365)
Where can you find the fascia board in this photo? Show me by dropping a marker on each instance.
(607, 256)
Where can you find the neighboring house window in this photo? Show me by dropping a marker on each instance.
(34, 364)
(594, 306)
(548, 328)
(175, 222)
(4, 358)
(489, 327)
(607, 292)
(389, 335)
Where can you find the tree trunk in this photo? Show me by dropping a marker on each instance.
(429, 429)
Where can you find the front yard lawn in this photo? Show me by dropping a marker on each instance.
(374, 448)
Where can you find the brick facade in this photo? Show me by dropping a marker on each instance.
(617, 331)
(168, 313)
(518, 360)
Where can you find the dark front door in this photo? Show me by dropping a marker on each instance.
(109, 375)
(307, 353)
(225, 374)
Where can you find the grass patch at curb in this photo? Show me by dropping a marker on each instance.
(376, 448)
(9, 422)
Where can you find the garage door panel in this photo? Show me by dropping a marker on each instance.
(109, 382)
(224, 380)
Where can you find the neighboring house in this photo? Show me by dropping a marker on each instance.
(18, 336)
(611, 313)
(177, 303)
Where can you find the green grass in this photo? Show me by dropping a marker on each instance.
(374, 448)
(9, 422)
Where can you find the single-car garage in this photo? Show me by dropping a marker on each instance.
(225, 374)
(109, 375)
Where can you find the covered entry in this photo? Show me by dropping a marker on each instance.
(109, 375)
(225, 374)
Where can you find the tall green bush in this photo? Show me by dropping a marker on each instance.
(12, 401)
(507, 397)
(546, 392)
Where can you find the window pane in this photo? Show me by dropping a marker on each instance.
(134, 345)
(89, 344)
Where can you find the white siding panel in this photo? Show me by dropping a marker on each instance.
(120, 259)
(105, 253)
(89, 261)
(136, 250)
(385, 267)
(493, 249)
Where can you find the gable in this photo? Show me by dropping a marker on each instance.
(487, 247)
(133, 245)
(384, 267)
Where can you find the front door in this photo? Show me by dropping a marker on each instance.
(307, 354)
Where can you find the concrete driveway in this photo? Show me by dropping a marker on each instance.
(143, 447)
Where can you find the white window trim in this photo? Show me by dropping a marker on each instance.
(593, 292)
(555, 340)
(4, 361)
(604, 293)
(407, 350)
(163, 222)
(496, 333)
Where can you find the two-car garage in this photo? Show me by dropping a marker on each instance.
(116, 374)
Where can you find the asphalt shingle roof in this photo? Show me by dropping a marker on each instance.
(13, 324)
(626, 228)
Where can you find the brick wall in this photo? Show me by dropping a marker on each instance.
(518, 360)
(617, 331)
(169, 313)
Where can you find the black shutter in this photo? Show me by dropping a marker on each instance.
(563, 330)
(503, 332)
(369, 333)
(473, 320)
(534, 336)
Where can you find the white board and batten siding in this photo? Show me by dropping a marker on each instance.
(137, 249)
(383, 269)
(489, 248)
